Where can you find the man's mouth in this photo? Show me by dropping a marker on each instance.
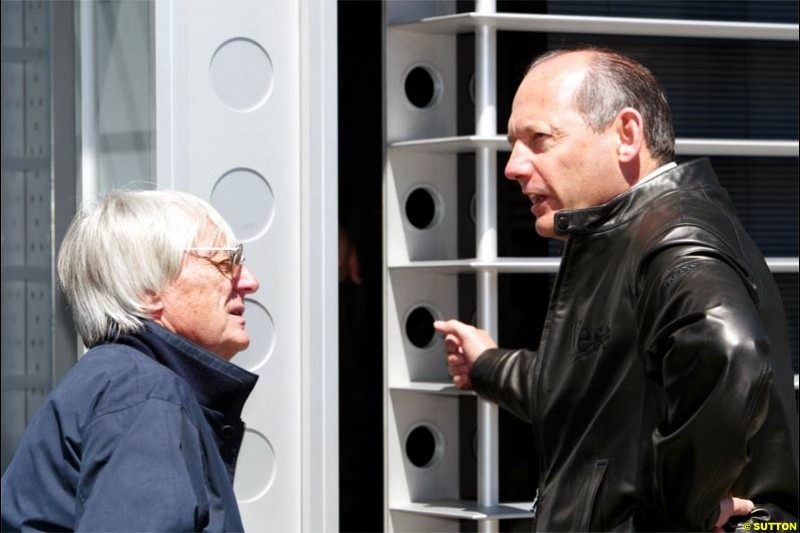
(536, 199)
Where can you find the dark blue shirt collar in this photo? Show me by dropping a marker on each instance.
(219, 385)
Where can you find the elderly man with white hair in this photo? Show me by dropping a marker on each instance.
(144, 431)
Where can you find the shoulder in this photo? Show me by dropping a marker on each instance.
(691, 221)
(112, 377)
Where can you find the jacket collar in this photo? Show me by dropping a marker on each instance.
(693, 174)
(219, 385)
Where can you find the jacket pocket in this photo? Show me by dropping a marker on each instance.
(593, 480)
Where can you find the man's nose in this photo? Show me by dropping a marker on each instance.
(247, 282)
(519, 164)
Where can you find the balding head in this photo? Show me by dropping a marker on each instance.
(605, 82)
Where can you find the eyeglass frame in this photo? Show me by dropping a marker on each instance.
(236, 254)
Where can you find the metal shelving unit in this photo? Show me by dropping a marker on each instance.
(421, 262)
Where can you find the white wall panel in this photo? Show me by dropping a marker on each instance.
(229, 124)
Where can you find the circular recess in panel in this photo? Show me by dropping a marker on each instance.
(423, 207)
(472, 88)
(261, 329)
(473, 209)
(255, 467)
(245, 200)
(419, 325)
(423, 445)
(241, 74)
(422, 86)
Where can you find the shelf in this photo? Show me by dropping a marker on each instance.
(427, 387)
(699, 147)
(783, 265)
(462, 144)
(732, 147)
(541, 265)
(466, 510)
(467, 22)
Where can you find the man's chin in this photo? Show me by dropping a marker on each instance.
(244, 343)
(236, 347)
(544, 227)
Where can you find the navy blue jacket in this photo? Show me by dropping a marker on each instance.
(140, 435)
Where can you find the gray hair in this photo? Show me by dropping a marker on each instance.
(614, 81)
(129, 245)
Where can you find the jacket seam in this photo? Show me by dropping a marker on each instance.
(138, 403)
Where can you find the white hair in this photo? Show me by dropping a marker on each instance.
(130, 245)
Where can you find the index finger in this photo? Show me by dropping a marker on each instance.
(452, 326)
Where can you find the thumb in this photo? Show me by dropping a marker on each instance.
(741, 507)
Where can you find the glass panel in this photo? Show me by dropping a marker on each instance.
(125, 90)
(123, 74)
(27, 258)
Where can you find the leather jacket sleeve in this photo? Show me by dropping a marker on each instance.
(704, 344)
(504, 377)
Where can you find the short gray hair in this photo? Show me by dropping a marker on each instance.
(613, 82)
(129, 245)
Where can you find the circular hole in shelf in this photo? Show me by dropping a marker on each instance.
(423, 446)
(419, 326)
(473, 209)
(472, 88)
(422, 86)
(422, 208)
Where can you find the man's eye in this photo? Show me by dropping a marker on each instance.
(223, 265)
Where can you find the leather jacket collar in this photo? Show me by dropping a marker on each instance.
(693, 174)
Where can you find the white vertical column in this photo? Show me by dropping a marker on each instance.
(246, 119)
(486, 235)
(88, 179)
(319, 282)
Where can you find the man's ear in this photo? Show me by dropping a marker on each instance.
(629, 128)
(153, 305)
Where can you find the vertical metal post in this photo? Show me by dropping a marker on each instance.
(88, 180)
(65, 180)
(486, 235)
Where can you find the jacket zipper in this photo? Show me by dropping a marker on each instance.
(537, 430)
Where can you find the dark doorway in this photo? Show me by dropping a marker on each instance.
(360, 307)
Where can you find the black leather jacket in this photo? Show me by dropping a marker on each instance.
(663, 379)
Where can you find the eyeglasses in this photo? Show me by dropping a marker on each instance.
(235, 255)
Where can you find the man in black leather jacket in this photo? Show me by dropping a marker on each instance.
(661, 394)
